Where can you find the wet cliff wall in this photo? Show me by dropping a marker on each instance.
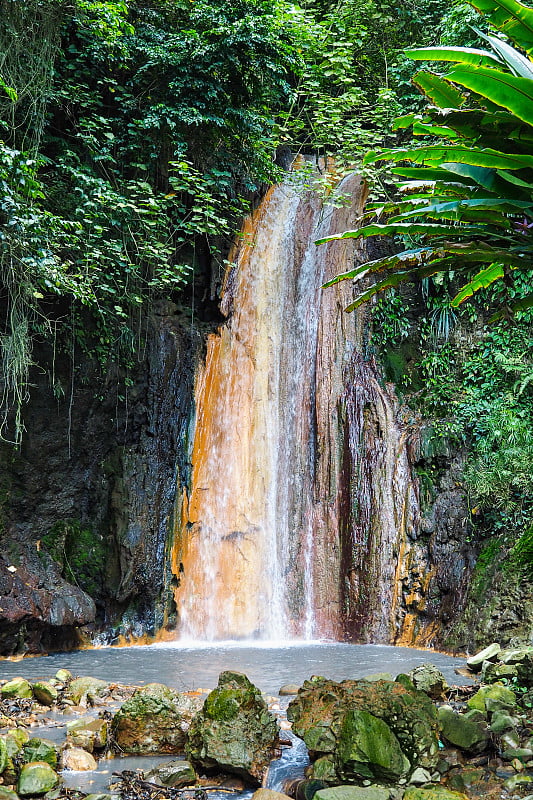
(86, 503)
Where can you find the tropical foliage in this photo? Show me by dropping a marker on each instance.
(466, 201)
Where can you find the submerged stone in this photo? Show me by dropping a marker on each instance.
(36, 778)
(234, 732)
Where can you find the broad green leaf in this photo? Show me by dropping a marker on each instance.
(517, 63)
(509, 91)
(390, 282)
(407, 258)
(410, 228)
(480, 281)
(481, 175)
(434, 155)
(438, 90)
(511, 17)
(464, 55)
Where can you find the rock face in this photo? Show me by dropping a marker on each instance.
(104, 494)
(357, 730)
(234, 732)
(154, 720)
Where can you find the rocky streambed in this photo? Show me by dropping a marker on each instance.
(408, 738)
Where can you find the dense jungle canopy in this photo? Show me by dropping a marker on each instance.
(134, 136)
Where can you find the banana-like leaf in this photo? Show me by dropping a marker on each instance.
(509, 91)
(390, 282)
(512, 18)
(426, 173)
(481, 175)
(510, 178)
(407, 258)
(410, 228)
(463, 55)
(434, 155)
(438, 90)
(426, 129)
(480, 281)
(478, 124)
(464, 204)
(517, 63)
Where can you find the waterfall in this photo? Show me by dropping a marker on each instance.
(269, 537)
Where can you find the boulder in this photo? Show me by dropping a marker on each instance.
(36, 778)
(176, 774)
(85, 689)
(63, 675)
(489, 653)
(367, 748)
(327, 716)
(154, 720)
(45, 693)
(353, 793)
(492, 698)
(234, 732)
(7, 794)
(491, 672)
(78, 760)
(89, 734)
(457, 729)
(430, 680)
(4, 754)
(17, 688)
(433, 793)
(502, 722)
(37, 749)
(286, 690)
(269, 794)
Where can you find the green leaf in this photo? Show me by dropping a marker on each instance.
(408, 228)
(512, 18)
(436, 154)
(517, 63)
(480, 281)
(509, 91)
(464, 55)
(406, 258)
(438, 90)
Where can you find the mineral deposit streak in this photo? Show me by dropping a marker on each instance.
(300, 493)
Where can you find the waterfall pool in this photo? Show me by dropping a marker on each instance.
(185, 667)
(269, 665)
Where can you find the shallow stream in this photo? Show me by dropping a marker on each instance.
(187, 667)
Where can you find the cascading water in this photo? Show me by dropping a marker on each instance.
(268, 538)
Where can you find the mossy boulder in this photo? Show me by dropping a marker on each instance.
(175, 774)
(369, 749)
(85, 689)
(489, 653)
(331, 717)
(234, 732)
(461, 731)
(7, 794)
(18, 688)
(45, 693)
(430, 680)
(36, 778)
(154, 720)
(433, 793)
(4, 754)
(492, 698)
(89, 733)
(37, 749)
